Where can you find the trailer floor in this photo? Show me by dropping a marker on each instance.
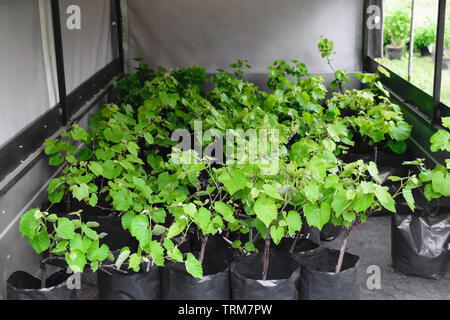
(372, 242)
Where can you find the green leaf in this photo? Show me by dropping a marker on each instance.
(133, 148)
(401, 131)
(159, 215)
(250, 247)
(362, 202)
(175, 229)
(96, 253)
(175, 254)
(385, 198)
(373, 170)
(56, 160)
(140, 229)
(157, 252)
(399, 147)
(114, 135)
(339, 202)
(203, 219)
(233, 185)
(79, 243)
(65, 228)
(225, 211)
(29, 224)
(149, 138)
(440, 141)
(277, 233)
(312, 191)
(317, 217)
(80, 192)
(41, 242)
(266, 210)
(91, 234)
(158, 230)
(294, 222)
(190, 209)
(96, 168)
(441, 183)
(135, 262)
(127, 218)
(76, 260)
(446, 122)
(407, 194)
(236, 244)
(193, 266)
(272, 191)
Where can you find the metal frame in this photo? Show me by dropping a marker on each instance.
(59, 53)
(437, 112)
(429, 108)
(14, 153)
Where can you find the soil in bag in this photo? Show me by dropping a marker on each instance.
(178, 284)
(282, 278)
(125, 284)
(420, 242)
(320, 282)
(23, 286)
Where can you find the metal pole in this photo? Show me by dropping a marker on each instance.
(411, 43)
(60, 62)
(438, 63)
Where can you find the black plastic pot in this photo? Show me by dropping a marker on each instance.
(178, 284)
(329, 232)
(318, 280)
(283, 276)
(117, 237)
(129, 285)
(445, 63)
(394, 53)
(420, 243)
(425, 52)
(216, 248)
(23, 286)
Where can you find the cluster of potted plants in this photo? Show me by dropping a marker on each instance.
(158, 221)
(397, 26)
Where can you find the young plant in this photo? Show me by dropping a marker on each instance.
(70, 240)
(326, 50)
(397, 27)
(434, 184)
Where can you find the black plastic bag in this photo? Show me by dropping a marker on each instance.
(215, 247)
(329, 232)
(420, 242)
(129, 285)
(318, 280)
(178, 284)
(23, 286)
(283, 276)
(117, 237)
(303, 248)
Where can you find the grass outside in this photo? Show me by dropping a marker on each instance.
(422, 75)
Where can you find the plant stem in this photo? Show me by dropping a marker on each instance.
(342, 252)
(266, 255)
(375, 156)
(297, 236)
(202, 251)
(347, 232)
